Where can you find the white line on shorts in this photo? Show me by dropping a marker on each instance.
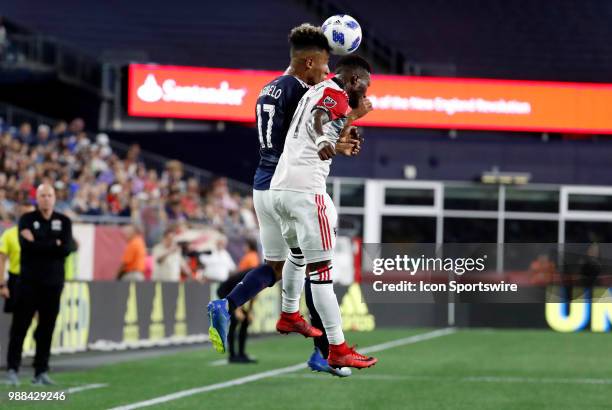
(276, 372)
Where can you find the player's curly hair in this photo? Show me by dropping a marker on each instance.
(306, 36)
(353, 61)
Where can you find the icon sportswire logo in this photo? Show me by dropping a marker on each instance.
(169, 91)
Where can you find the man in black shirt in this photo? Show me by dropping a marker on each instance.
(45, 237)
(239, 317)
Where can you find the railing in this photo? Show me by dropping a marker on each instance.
(14, 116)
(203, 176)
(38, 51)
(103, 219)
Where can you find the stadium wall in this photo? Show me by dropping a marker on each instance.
(111, 316)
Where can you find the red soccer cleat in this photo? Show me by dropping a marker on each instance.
(343, 356)
(295, 323)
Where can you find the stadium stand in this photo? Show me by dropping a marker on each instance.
(98, 181)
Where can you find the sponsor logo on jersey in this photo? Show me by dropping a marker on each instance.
(329, 102)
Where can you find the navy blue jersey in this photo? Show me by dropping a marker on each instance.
(274, 110)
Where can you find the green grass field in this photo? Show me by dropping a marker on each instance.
(468, 369)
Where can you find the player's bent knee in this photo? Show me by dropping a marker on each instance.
(320, 272)
(296, 258)
(317, 265)
(277, 266)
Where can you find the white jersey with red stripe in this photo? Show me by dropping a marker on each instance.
(300, 168)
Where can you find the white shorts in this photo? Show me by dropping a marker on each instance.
(275, 245)
(312, 218)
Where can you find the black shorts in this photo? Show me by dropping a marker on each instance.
(9, 303)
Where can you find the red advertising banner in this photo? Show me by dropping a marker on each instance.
(399, 101)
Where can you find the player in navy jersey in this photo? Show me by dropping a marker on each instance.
(274, 111)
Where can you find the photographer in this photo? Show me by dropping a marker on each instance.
(167, 259)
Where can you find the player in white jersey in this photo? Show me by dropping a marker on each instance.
(299, 193)
(275, 107)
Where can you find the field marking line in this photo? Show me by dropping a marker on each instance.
(476, 379)
(220, 362)
(280, 371)
(85, 387)
(76, 389)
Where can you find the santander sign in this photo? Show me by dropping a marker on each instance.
(399, 101)
(150, 91)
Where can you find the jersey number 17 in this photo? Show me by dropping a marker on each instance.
(265, 139)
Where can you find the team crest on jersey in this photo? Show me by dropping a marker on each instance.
(329, 102)
(56, 225)
(36, 224)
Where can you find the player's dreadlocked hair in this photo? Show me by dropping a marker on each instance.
(305, 37)
(353, 61)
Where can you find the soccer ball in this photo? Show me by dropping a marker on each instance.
(343, 33)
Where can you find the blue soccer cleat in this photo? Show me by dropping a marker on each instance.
(317, 363)
(219, 321)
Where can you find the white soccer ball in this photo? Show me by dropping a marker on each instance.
(343, 33)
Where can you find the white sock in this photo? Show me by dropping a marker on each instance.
(326, 303)
(293, 282)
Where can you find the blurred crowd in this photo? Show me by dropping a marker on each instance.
(94, 182)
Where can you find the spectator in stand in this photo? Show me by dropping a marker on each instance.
(247, 216)
(151, 185)
(174, 209)
(43, 135)
(250, 259)
(221, 195)
(59, 130)
(94, 205)
(133, 261)
(25, 133)
(132, 159)
(218, 264)
(167, 259)
(77, 126)
(103, 142)
(92, 180)
(62, 203)
(6, 204)
(173, 175)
